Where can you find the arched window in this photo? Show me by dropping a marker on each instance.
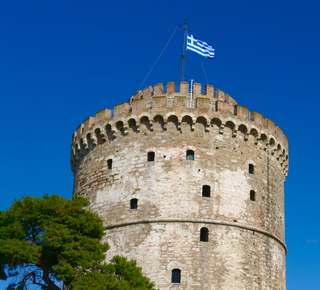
(204, 235)
(134, 203)
(176, 276)
(206, 190)
(190, 155)
(252, 195)
(109, 162)
(150, 156)
(251, 168)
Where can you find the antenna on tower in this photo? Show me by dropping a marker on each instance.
(183, 56)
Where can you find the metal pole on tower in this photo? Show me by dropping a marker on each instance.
(183, 50)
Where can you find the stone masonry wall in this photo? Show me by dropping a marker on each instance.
(233, 258)
(245, 247)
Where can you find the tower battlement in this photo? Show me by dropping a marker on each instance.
(160, 106)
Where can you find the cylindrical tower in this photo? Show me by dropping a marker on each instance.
(189, 185)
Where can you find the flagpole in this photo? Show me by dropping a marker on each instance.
(183, 49)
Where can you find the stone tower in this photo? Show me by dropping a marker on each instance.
(189, 185)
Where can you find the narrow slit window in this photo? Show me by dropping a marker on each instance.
(206, 190)
(251, 168)
(190, 155)
(150, 156)
(204, 235)
(176, 276)
(134, 203)
(109, 163)
(252, 195)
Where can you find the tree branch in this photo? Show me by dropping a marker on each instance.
(46, 279)
(35, 281)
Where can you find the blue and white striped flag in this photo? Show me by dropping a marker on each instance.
(199, 46)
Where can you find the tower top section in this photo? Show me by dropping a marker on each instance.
(182, 89)
(177, 101)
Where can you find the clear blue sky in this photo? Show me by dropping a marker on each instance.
(61, 61)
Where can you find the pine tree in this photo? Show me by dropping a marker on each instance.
(50, 240)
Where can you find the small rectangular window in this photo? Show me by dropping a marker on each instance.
(206, 190)
(251, 168)
(204, 235)
(252, 195)
(190, 155)
(134, 203)
(176, 276)
(109, 162)
(151, 156)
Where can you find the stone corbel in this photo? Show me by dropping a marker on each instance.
(221, 129)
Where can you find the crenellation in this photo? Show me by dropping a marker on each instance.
(256, 117)
(203, 104)
(209, 91)
(138, 106)
(103, 115)
(74, 138)
(268, 123)
(230, 100)
(241, 112)
(219, 95)
(79, 131)
(184, 88)
(147, 93)
(88, 123)
(278, 131)
(158, 90)
(196, 90)
(138, 95)
(171, 88)
(121, 109)
(222, 107)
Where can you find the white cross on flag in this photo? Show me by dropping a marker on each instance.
(199, 46)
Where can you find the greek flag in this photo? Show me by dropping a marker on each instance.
(199, 46)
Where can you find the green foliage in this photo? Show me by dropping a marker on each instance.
(120, 274)
(44, 240)
(128, 275)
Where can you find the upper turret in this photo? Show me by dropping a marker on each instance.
(175, 102)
